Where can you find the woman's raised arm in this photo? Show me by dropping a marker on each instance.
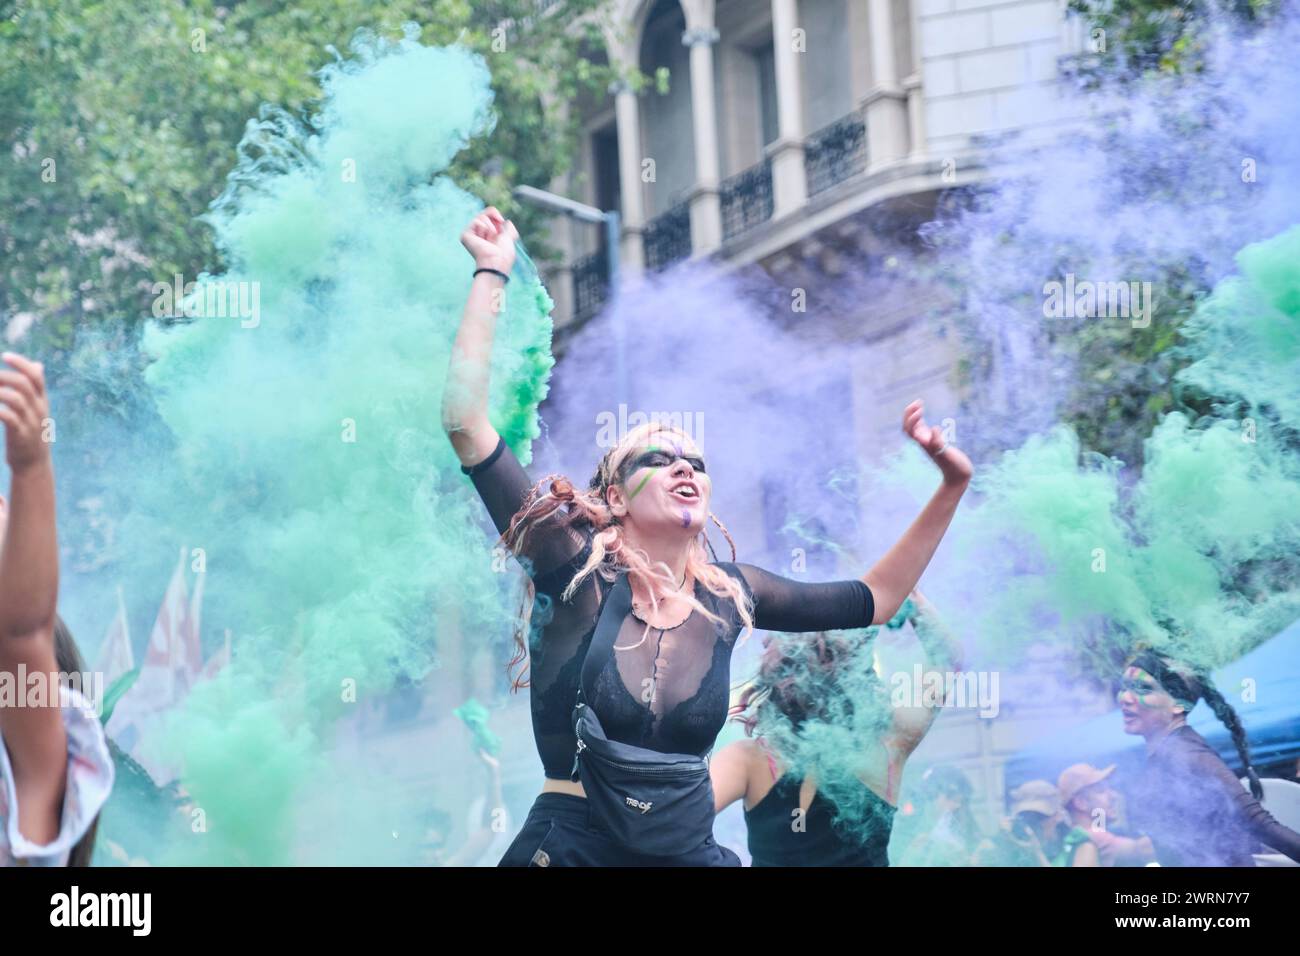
(29, 586)
(894, 576)
(498, 477)
(490, 239)
(942, 653)
(783, 604)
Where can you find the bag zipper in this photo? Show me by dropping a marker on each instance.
(634, 768)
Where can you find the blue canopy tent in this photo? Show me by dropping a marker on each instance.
(1272, 721)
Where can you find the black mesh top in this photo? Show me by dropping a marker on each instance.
(1196, 812)
(663, 689)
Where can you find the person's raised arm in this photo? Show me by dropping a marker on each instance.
(942, 653)
(942, 648)
(29, 586)
(784, 604)
(498, 477)
(490, 239)
(894, 576)
(478, 842)
(29, 557)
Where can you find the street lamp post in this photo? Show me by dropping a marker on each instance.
(563, 206)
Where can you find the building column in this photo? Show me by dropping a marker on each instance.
(915, 117)
(789, 181)
(627, 116)
(706, 206)
(917, 142)
(885, 106)
(857, 27)
(559, 279)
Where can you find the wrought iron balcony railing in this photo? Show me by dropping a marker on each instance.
(746, 200)
(835, 153)
(667, 237)
(590, 285)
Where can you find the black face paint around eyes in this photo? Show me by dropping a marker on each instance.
(653, 459)
(661, 459)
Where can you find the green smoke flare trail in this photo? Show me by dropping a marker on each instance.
(306, 454)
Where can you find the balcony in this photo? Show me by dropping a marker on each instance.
(667, 237)
(746, 200)
(590, 285)
(835, 153)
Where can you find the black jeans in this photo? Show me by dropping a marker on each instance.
(560, 831)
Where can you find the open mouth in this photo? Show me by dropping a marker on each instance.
(686, 491)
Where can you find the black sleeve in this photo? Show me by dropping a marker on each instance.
(503, 485)
(1202, 760)
(782, 604)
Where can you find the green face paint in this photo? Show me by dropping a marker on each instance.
(1141, 685)
(649, 474)
(636, 465)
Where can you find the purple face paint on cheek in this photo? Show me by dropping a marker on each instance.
(686, 518)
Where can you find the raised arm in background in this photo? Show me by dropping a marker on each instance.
(490, 239)
(29, 588)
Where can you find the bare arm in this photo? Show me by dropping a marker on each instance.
(29, 586)
(481, 839)
(942, 649)
(942, 653)
(729, 773)
(894, 576)
(490, 239)
(29, 560)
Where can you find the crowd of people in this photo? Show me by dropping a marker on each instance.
(625, 643)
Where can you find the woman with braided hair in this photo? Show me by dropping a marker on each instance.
(1186, 800)
(632, 620)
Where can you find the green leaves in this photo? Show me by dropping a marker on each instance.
(140, 109)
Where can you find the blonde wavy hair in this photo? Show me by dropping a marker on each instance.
(611, 552)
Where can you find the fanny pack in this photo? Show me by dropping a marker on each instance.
(659, 804)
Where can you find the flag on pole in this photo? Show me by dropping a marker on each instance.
(155, 690)
(188, 656)
(115, 657)
(217, 661)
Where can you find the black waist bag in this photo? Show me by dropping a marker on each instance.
(651, 802)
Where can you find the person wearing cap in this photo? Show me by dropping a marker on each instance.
(943, 831)
(1037, 833)
(1084, 791)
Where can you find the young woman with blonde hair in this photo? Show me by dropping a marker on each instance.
(629, 638)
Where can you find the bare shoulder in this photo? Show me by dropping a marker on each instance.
(738, 751)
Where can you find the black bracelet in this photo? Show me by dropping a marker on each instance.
(487, 462)
(495, 272)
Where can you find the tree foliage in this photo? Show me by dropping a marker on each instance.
(120, 122)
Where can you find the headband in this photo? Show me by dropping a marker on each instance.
(1185, 691)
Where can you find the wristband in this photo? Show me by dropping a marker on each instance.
(495, 272)
(487, 462)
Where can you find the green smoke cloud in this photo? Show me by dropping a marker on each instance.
(303, 453)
